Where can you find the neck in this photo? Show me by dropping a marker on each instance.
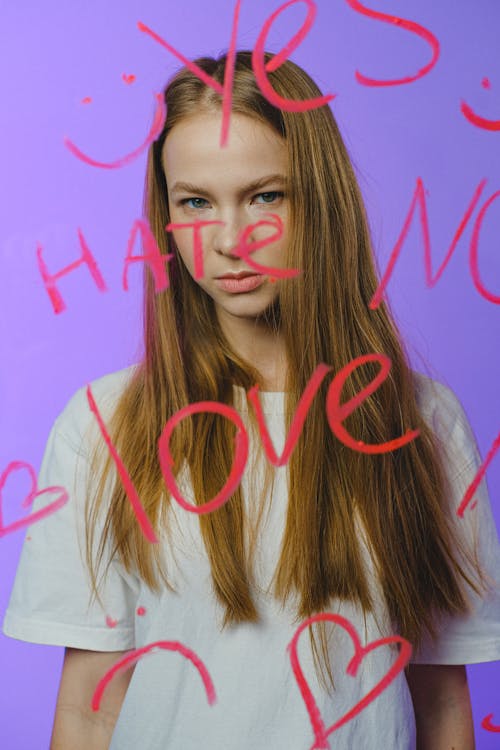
(260, 345)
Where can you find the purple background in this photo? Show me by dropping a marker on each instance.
(54, 54)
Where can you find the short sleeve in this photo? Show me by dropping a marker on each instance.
(49, 602)
(473, 637)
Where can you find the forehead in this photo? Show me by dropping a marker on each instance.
(192, 149)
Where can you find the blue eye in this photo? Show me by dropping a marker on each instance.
(270, 196)
(187, 201)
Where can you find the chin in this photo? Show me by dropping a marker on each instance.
(245, 308)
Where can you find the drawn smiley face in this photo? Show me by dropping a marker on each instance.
(155, 130)
(476, 119)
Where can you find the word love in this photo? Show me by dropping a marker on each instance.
(336, 414)
(321, 732)
(34, 492)
(158, 262)
(335, 411)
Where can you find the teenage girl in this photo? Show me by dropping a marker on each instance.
(371, 537)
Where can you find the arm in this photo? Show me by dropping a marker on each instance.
(441, 701)
(76, 725)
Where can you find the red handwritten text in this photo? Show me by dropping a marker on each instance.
(298, 421)
(244, 248)
(134, 656)
(478, 478)
(226, 91)
(153, 256)
(241, 444)
(337, 412)
(415, 28)
(474, 250)
(420, 201)
(196, 226)
(259, 66)
(257, 63)
(157, 262)
(50, 279)
(139, 511)
(320, 731)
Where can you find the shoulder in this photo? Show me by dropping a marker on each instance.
(438, 404)
(76, 422)
(444, 413)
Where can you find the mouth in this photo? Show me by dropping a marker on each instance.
(240, 275)
(240, 283)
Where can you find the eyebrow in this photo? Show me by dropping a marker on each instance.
(187, 187)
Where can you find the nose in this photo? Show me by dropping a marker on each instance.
(227, 234)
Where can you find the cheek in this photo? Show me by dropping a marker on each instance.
(185, 252)
(185, 249)
(280, 246)
(280, 250)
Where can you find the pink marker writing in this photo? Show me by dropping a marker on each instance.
(126, 661)
(29, 499)
(321, 732)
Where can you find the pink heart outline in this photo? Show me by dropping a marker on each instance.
(320, 731)
(29, 499)
(133, 656)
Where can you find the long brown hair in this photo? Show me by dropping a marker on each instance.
(323, 316)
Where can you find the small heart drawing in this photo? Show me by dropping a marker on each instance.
(28, 500)
(320, 731)
(128, 78)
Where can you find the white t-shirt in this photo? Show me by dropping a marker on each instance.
(258, 702)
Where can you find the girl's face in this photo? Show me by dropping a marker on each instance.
(237, 185)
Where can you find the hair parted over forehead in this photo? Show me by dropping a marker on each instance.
(322, 189)
(329, 237)
(397, 499)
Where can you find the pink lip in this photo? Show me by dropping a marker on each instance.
(235, 285)
(239, 275)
